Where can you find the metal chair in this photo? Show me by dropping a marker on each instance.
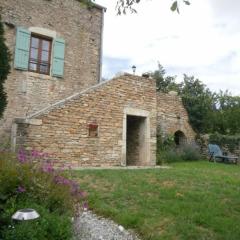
(216, 154)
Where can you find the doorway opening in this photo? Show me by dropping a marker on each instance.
(180, 138)
(136, 142)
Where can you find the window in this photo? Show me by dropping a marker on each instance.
(33, 53)
(40, 54)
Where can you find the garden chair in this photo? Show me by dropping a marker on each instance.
(216, 154)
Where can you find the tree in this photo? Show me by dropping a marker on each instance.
(128, 5)
(4, 68)
(208, 111)
(227, 114)
(164, 84)
(199, 102)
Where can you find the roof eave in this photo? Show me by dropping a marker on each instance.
(99, 6)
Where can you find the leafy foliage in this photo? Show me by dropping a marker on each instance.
(190, 152)
(198, 101)
(175, 5)
(88, 3)
(231, 142)
(186, 152)
(208, 112)
(4, 68)
(50, 225)
(165, 143)
(168, 152)
(164, 83)
(128, 5)
(25, 184)
(225, 117)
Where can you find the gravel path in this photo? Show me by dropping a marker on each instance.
(89, 226)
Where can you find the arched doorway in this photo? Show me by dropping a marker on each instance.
(180, 138)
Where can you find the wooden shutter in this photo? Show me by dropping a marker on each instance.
(22, 49)
(58, 57)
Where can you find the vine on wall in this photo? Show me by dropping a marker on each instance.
(4, 68)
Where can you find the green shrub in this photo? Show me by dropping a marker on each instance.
(50, 225)
(38, 185)
(232, 142)
(165, 143)
(4, 68)
(168, 156)
(5, 143)
(26, 184)
(166, 150)
(190, 152)
(187, 152)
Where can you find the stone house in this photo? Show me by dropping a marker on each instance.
(57, 102)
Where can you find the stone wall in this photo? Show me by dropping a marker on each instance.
(172, 116)
(80, 27)
(63, 129)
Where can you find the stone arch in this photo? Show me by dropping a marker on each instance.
(180, 138)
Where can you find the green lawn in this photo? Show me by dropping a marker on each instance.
(196, 200)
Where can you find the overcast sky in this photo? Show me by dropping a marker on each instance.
(203, 40)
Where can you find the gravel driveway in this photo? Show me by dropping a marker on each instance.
(89, 226)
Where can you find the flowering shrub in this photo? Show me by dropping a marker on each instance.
(190, 152)
(24, 182)
(186, 152)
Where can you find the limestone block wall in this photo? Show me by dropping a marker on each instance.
(80, 27)
(63, 130)
(172, 116)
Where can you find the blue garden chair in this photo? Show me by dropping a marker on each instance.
(216, 154)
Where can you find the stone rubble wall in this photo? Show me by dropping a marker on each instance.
(81, 29)
(172, 116)
(62, 131)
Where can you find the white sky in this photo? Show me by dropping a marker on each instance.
(203, 40)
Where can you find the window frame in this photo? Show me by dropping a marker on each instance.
(40, 49)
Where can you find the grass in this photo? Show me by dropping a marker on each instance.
(195, 200)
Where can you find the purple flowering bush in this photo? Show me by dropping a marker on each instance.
(29, 180)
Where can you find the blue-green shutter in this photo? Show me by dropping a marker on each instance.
(58, 57)
(22, 49)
